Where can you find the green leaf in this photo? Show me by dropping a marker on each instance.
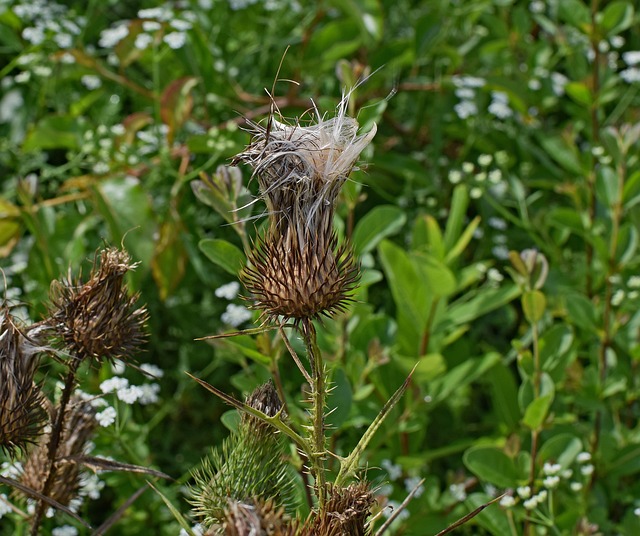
(339, 400)
(231, 419)
(410, 292)
(463, 241)
(462, 375)
(554, 344)
(562, 448)
(493, 466)
(247, 347)
(579, 92)
(574, 12)
(581, 311)
(493, 518)
(617, 17)
(533, 305)
(482, 302)
(55, 132)
(504, 394)
(564, 154)
(440, 279)
(428, 236)
(537, 411)
(607, 186)
(457, 213)
(224, 254)
(380, 222)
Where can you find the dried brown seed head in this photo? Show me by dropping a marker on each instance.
(78, 428)
(257, 517)
(98, 319)
(21, 402)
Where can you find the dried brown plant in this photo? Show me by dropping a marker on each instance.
(21, 402)
(98, 319)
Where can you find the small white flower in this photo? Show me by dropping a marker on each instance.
(541, 496)
(106, 417)
(35, 36)
(153, 370)
(228, 291)
(551, 481)
(534, 84)
(458, 492)
(160, 13)
(112, 36)
(630, 75)
(583, 457)
(9, 105)
(4, 505)
(551, 469)
(91, 81)
(113, 384)
(118, 129)
(634, 281)
(485, 160)
(617, 41)
(65, 530)
(481, 177)
(468, 167)
(558, 83)
(566, 474)
(175, 40)
(524, 492)
(143, 40)
(149, 393)
(151, 25)
(468, 81)
(455, 176)
(636, 512)
(466, 109)
(465, 93)
(631, 57)
(129, 395)
(531, 503)
(475, 193)
(537, 6)
(394, 471)
(618, 297)
(587, 470)
(507, 501)
(500, 110)
(63, 40)
(236, 315)
(91, 485)
(23, 77)
(411, 483)
(181, 25)
(575, 486)
(100, 168)
(497, 223)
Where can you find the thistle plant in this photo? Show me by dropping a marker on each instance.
(90, 321)
(298, 272)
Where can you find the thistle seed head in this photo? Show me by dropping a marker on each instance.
(98, 319)
(21, 402)
(298, 284)
(78, 428)
(346, 512)
(300, 170)
(297, 270)
(257, 517)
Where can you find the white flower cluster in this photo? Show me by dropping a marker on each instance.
(162, 21)
(632, 73)
(235, 315)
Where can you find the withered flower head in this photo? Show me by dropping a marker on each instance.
(21, 410)
(78, 428)
(298, 270)
(346, 512)
(98, 319)
(257, 517)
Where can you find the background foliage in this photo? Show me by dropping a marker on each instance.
(502, 125)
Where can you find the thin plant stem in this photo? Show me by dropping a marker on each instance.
(54, 442)
(537, 373)
(317, 410)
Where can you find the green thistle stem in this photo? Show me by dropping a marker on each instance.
(317, 410)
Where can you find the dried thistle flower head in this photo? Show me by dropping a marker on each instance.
(21, 402)
(298, 270)
(250, 465)
(98, 319)
(257, 517)
(78, 427)
(346, 512)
